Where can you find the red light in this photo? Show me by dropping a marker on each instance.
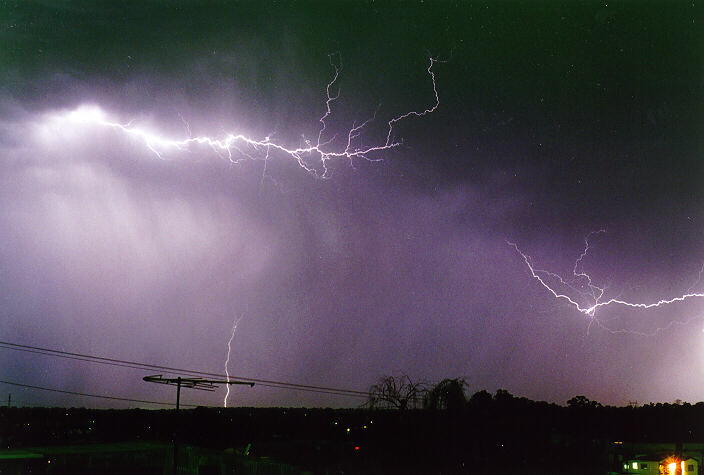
(356, 448)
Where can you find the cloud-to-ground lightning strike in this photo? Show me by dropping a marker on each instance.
(227, 360)
(236, 147)
(581, 284)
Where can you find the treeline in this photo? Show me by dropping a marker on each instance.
(475, 434)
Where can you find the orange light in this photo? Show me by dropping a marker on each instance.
(682, 465)
(672, 468)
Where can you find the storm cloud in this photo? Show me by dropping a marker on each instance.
(401, 264)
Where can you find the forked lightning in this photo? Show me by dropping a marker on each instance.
(583, 289)
(313, 157)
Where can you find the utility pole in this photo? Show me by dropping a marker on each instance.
(178, 393)
(9, 399)
(193, 383)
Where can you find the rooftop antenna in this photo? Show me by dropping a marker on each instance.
(193, 383)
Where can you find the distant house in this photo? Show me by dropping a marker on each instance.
(661, 458)
(642, 467)
(666, 466)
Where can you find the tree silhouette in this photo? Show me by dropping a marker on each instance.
(447, 394)
(395, 392)
(583, 402)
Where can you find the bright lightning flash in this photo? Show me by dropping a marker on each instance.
(236, 147)
(583, 289)
(227, 360)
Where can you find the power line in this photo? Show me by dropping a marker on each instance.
(151, 367)
(75, 393)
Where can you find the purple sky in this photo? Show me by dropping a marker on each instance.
(542, 135)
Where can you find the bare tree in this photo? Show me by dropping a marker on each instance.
(396, 392)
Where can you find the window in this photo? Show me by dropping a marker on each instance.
(690, 467)
(644, 465)
(635, 465)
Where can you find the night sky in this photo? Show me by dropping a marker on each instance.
(554, 120)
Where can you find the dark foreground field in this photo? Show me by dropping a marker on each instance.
(489, 434)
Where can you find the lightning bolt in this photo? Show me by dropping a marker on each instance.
(227, 360)
(237, 147)
(583, 289)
